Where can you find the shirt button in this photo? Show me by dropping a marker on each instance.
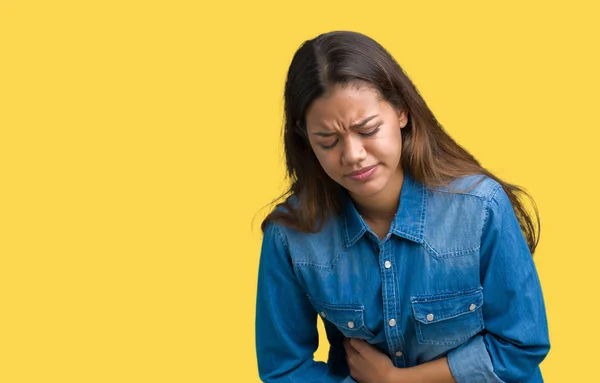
(472, 307)
(387, 264)
(323, 314)
(351, 324)
(399, 353)
(392, 322)
(429, 317)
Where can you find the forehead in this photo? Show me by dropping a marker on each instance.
(343, 106)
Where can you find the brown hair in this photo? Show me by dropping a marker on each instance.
(429, 154)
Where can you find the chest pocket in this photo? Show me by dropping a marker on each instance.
(448, 319)
(348, 318)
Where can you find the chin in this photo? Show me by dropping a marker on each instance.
(365, 190)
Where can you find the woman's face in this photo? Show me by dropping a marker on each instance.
(355, 135)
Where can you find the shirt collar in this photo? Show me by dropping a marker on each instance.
(408, 222)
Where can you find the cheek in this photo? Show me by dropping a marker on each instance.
(329, 162)
(388, 147)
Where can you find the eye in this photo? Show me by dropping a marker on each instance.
(370, 132)
(330, 146)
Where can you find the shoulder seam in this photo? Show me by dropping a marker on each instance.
(483, 195)
(486, 210)
(493, 191)
(281, 237)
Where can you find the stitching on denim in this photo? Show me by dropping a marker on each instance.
(448, 342)
(312, 264)
(466, 312)
(393, 268)
(326, 266)
(355, 238)
(444, 296)
(481, 180)
(493, 191)
(350, 241)
(474, 196)
(336, 259)
(357, 308)
(429, 249)
(346, 237)
(419, 234)
(423, 211)
(423, 340)
(458, 193)
(334, 306)
(449, 254)
(482, 198)
(281, 238)
(421, 337)
(487, 206)
(385, 291)
(409, 236)
(416, 300)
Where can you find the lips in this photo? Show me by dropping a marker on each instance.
(361, 171)
(364, 174)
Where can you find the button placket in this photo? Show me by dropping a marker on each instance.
(394, 336)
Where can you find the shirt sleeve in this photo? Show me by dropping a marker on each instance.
(286, 323)
(515, 339)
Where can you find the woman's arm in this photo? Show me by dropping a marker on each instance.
(515, 338)
(286, 322)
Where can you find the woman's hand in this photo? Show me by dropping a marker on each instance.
(367, 363)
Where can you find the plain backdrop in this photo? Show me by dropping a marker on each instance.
(140, 141)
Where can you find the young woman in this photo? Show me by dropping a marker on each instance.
(418, 260)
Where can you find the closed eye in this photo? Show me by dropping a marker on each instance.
(330, 146)
(370, 132)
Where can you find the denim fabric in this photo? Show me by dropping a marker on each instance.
(453, 277)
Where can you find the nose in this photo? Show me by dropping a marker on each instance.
(354, 151)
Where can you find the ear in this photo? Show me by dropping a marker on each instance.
(402, 117)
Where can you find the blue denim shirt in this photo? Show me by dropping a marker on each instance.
(453, 277)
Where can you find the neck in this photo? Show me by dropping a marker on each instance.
(383, 205)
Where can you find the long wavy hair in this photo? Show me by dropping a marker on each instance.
(429, 154)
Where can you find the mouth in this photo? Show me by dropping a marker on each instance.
(363, 173)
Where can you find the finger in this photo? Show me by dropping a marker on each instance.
(365, 349)
(347, 344)
(360, 345)
(354, 361)
(350, 351)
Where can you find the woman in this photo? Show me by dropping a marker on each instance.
(418, 260)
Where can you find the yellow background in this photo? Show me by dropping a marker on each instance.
(139, 139)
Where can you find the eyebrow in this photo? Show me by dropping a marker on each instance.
(353, 126)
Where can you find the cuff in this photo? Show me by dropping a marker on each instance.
(471, 363)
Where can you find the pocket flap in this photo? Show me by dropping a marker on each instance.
(350, 317)
(435, 308)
